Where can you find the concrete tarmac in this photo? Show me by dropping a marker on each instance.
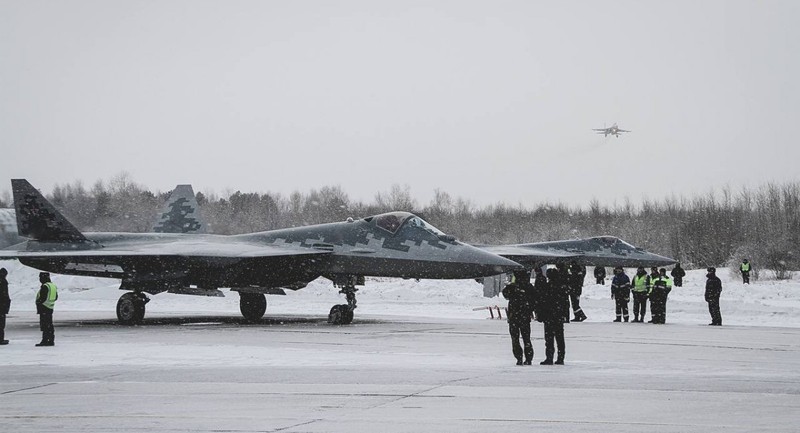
(392, 374)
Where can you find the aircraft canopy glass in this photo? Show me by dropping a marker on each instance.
(392, 222)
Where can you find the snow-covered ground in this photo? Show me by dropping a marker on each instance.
(766, 302)
(416, 359)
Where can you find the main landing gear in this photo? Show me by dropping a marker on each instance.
(130, 308)
(342, 314)
(252, 305)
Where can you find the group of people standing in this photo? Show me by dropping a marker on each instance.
(547, 300)
(45, 303)
(654, 286)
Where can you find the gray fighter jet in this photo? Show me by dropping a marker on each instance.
(177, 259)
(596, 251)
(612, 130)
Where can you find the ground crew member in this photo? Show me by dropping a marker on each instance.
(654, 273)
(621, 293)
(641, 285)
(45, 302)
(549, 310)
(745, 268)
(677, 275)
(600, 274)
(659, 291)
(713, 290)
(519, 315)
(561, 278)
(577, 274)
(5, 304)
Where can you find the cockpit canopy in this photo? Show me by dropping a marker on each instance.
(613, 242)
(393, 221)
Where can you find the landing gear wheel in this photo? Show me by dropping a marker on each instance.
(252, 305)
(130, 308)
(340, 314)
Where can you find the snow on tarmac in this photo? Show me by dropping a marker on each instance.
(416, 359)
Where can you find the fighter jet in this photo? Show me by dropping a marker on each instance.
(596, 251)
(613, 130)
(178, 259)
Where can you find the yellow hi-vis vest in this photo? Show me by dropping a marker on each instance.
(52, 295)
(745, 267)
(640, 283)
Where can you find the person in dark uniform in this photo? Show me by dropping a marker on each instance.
(713, 290)
(745, 269)
(577, 274)
(677, 275)
(600, 274)
(5, 304)
(45, 302)
(519, 315)
(621, 293)
(551, 298)
(561, 278)
(641, 285)
(659, 291)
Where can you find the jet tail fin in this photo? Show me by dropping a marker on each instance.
(180, 213)
(38, 219)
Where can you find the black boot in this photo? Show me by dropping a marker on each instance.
(519, 361)
(548, 361)
(618, 320)
(560, 360)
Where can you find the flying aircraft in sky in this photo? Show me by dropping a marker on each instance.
(178, 259)
(612, 130)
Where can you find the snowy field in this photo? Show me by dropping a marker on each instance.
(416, 359)
(766, 302)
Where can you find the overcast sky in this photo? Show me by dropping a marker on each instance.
(494, 101)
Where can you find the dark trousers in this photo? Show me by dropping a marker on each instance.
(746, 277)
(713, 309)
(2, 327)
(622, 306)
(575, 297)
(601, 280)
(639, 304)
(658, 306)
(554, 330)
(521, 330)
(678, 281)
(46, 326)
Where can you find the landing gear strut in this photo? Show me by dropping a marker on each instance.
(342, 314)
(130, 308)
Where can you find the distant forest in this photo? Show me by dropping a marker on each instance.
(716, 229)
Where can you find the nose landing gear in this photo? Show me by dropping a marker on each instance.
(342, 314)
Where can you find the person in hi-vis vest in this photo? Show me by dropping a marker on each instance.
(45, 302)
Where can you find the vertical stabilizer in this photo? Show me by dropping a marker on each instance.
(38, 219)
(180, 213)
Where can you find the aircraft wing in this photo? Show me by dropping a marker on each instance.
(176, 249)
(530, 256)
(623, 130)
(597, 251)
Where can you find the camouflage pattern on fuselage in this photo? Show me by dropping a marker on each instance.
(396, 244)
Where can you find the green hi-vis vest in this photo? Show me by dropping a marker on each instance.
(745, 267)
(52, 295)
(640, 283)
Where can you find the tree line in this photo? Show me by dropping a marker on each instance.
(719, 228)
